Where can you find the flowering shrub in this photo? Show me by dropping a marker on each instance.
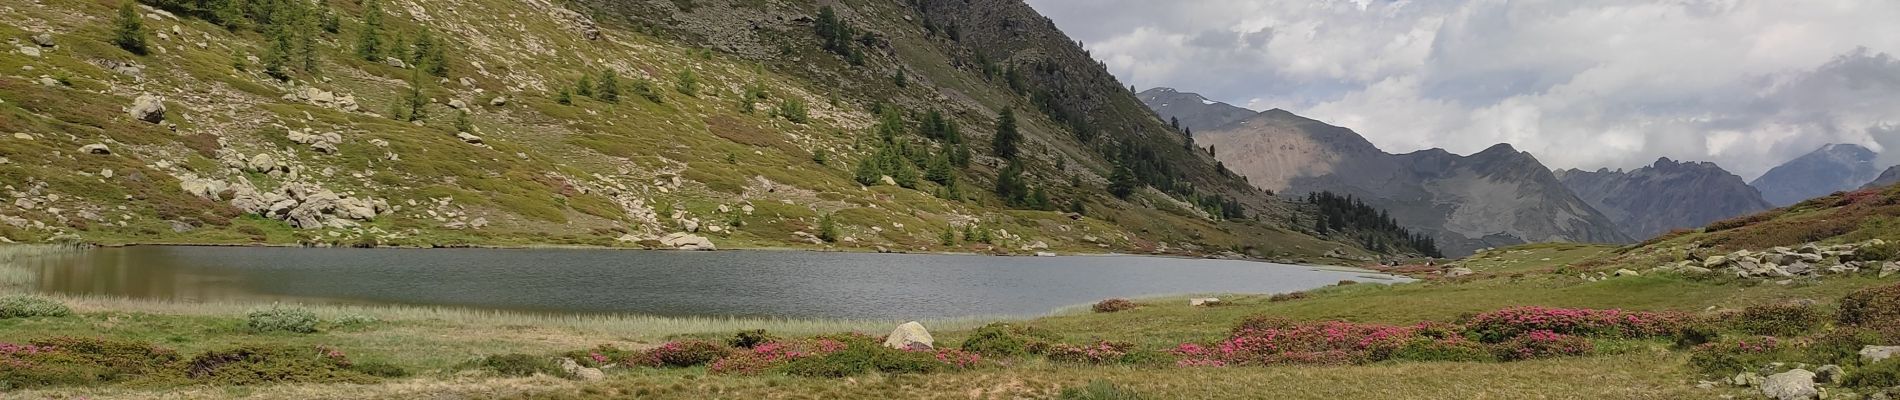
(1100, 352)
(681, 353)
(600, 356)
(1509, 323)
(958, 359)
(1113, 305)
(1271, 342)
(1454, 348)
(1263, 322)
(740, 364)
(1541, 344)
(747, 339)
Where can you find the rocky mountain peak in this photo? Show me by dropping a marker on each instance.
(1831, 168)
(1665, 195)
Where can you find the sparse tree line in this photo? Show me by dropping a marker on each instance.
(1372, 227)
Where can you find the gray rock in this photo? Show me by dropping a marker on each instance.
(43, 39)
(687, 241)
(1202, 301)
(910, 336)
(577, 371)
(148, 108)
(30, 51)
(1458, 271)
(1829, 374)
(468, 138)
(498, 101)
(1746, 379)
(1873, 354)
(95, 148)
(457, 104)
(1795, 384)
(1627, 272)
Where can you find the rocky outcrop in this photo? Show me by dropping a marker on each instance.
(1811, 260)
(687, 241)
(307, 206)
(1874, 354)
(1664, 196)
(910, 336)
(1832, 168)
(148, 108)
(1796, 384)
(95, 148)
(324, 98)
(575, 370)
(321, 142)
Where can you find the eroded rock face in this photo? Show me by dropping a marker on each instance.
(307, 206)
(148, 108)
(910, 336)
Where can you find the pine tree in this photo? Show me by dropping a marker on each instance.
(307, 50)
(1010, 185)
(564, 97)
(827, 229)
(687, 83)
(1006, 135)
(462, 124)
(129, 30)
(585, 87)
(1122, 183)
(426, 55)
(415, 100)
(940, 170)
(369, 45)
(609, 90)
(277, 53)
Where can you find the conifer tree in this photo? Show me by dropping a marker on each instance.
(129, 30)
(369, 45)
(1006, 135)
(609, 90)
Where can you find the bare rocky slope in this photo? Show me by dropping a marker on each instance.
(487, 122)
(1665, 196)
(1493, 198)
(1191, 110)
(1889, 177)
(1829, 169)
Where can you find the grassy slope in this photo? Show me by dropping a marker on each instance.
(552, 175)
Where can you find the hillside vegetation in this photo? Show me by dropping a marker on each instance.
(921, 126)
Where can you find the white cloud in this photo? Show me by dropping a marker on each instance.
(1617, 83)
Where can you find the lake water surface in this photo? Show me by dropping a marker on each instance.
(724, 283)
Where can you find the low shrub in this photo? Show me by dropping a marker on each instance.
(257, 364)
(1883, 374)
(680, 354)
(281, 318)
(68, 361)
(517, 364)
(1099, 390)
(861, 357)
(599, 356)
(1006, 340)
(1729, 357)
(1541, 344)
(1263, 322)
(380, 369)
(1786, 319)
(1842, 345)
(1885, 251)
(1871, 307)
(1100, 352)
(1114, 305)
(749, 338)
(1455, 349)
(355, 321)
(1690, 335)
(740, 364)
(1289, 296)
(1510, 323)
(28, 306)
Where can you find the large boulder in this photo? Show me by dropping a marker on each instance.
(95, 148)
(1797, 384)
(148, 108)
(687, 241)
(577, 371)
(1873, 354)
(910, 336)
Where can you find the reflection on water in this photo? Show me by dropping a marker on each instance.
(727, 283)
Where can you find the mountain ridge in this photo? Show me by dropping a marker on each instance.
(1664, 196)
(1831, 168)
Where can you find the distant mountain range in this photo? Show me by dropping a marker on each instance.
(1832, 168)
(1888, 178)
(1667, 195)
(1499, 196)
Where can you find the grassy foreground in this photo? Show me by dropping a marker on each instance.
(438, 346)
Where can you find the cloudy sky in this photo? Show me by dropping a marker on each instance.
(1579, 83)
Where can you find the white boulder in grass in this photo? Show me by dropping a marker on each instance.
(910, 336)
(1203, 301)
